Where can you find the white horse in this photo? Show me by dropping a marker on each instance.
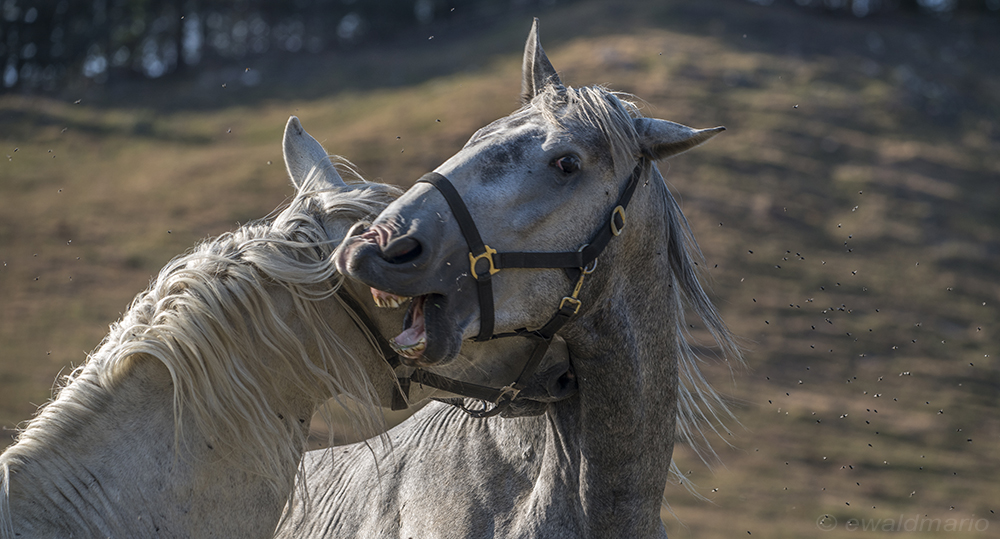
(191, 417)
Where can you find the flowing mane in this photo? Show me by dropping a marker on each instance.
(612, 113)
(231, 320)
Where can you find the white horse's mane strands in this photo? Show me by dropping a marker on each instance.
(234, 320)
(613, 113)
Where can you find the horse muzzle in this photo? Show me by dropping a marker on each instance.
(400, 267)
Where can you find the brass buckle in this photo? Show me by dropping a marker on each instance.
(572, 298)
(573, 301)
(621, 214)
(508, 390)
(488, 255)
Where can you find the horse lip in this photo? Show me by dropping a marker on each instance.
(361, 259)
(357, 229)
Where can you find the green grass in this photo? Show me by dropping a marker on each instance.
(874, 191)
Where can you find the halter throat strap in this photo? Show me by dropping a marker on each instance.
(500, 397)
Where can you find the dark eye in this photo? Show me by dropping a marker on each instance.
(567, 163)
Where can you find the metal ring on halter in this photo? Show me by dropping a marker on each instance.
(619, 211)
(590, 267)
(486, 411)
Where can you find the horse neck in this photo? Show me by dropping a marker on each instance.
(103, 455)
(624, 353)
(103, 463)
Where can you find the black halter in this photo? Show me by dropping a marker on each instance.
(484, 261)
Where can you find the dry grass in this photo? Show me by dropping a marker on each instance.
(848, 216)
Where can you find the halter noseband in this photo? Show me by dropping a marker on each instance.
(577, 264)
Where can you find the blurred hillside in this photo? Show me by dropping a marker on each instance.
(850, 219)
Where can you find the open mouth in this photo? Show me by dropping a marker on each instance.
(412, 342)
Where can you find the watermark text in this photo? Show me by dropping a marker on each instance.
(904, 523)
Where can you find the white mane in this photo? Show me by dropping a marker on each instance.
(234, 320)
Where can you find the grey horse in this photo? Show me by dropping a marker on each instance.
(577, 221)
(190, 419)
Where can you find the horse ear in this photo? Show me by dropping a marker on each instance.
(660, 139)
(306, 160)
(536, 70)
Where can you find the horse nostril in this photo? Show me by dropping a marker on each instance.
(402, 250)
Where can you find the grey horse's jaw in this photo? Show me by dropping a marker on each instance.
(362, 260)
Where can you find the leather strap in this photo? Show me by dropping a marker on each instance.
(476, 247)
(402, 391)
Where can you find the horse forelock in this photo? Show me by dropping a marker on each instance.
(609, 113)
(228, 319)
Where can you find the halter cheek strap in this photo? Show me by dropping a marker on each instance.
(478, 251)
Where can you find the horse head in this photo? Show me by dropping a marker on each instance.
(543, 180)
(317, 179)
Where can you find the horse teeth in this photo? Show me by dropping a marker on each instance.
(410, 351)
(386, 300)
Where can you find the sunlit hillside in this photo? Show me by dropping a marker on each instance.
(849, 217)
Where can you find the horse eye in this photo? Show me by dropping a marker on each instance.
(568, 163)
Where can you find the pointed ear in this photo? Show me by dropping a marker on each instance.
(306, 160)
(660, 139)
(536, 71)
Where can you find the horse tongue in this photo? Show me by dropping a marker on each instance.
(412, 341)
(411, 336)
